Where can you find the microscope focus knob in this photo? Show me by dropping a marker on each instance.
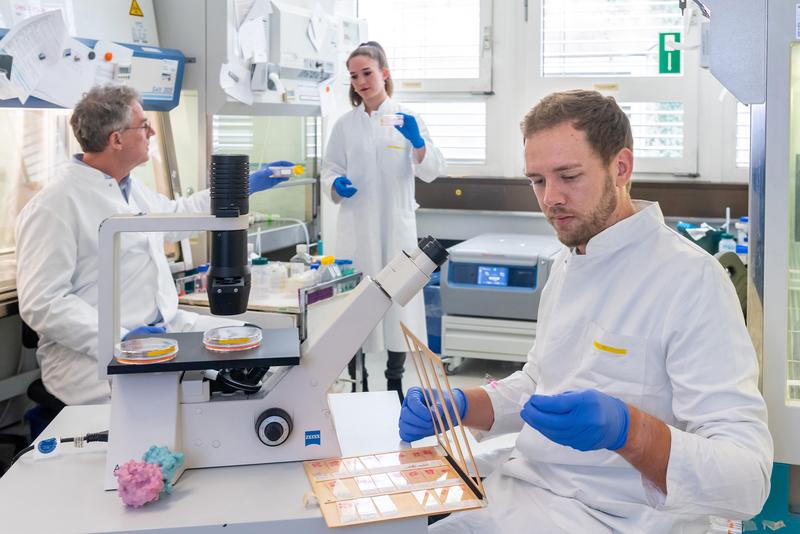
(273, 427)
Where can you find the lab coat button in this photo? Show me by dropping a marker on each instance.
(215, 444)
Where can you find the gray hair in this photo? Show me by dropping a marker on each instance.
(101, 111)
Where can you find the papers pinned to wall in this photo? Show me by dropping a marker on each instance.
(253, 39)
(66, 81)
(36, 44)
(234, 79)
(38, 58)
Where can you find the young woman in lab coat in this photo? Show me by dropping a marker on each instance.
(369, 171)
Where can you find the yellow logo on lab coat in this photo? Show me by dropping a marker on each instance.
(608, 348)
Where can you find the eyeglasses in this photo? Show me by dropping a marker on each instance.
(146, 126)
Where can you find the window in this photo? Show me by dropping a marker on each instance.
(742, 135)
(605, 37)
(232, 134)
(271, 138)
(433, 46)
(657, 128)
(613, 46)
(439, 47)
(458, 129)
(313, 138)
(33, 143)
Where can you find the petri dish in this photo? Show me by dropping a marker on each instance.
(146, 350)
(232, 338)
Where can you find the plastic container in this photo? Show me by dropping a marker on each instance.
(391, 119)
(259, 278)
(276, 277)
(741, 251)
(232, 338)
(742, 230)
(302, 255)
(727, 243)
(327, 269)
(345, 266)
(706, 238)
(251, 252)
(146, 350)
(282, 171)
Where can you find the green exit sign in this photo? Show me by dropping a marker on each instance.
(669, 61)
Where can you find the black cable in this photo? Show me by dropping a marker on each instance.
(79, 441)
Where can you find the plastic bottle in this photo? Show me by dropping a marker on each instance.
(326, 269)
(742, 230)
(741, 251)
(300, 262)
(251, 252)
(259, 278)
(727, 243)
(345, 266)
(276, 277)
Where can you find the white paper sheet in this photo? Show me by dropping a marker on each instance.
(317, 26)
(260, 8)
(66, 81)
(253, 40)
(234, 79)
(240, 10)
(36, 44)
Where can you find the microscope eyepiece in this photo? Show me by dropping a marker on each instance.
(434, 250)
(229, 275)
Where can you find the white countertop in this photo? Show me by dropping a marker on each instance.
(64, 493)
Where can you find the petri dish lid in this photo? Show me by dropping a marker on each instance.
(232, 338)
(146, 350)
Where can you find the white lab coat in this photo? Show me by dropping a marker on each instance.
(690, 363)
(375, 224)
(57, 272)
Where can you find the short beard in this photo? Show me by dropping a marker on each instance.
(597, 220)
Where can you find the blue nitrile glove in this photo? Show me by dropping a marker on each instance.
(262, 179)
(410, 130)
(146, 329)
(586, 420)
(415, 419)
(344, 187)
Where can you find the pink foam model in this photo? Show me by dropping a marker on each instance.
(139, 482)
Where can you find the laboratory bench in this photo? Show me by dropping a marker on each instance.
(65, 493)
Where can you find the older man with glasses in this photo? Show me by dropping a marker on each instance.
(57, 246)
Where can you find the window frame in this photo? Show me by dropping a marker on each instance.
(481, 85)
(683, 88)
(731, 173)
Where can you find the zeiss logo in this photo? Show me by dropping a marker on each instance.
(312, 437)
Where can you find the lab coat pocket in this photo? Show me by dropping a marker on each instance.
(614, 363)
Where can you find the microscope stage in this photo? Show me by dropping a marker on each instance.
(279, 346)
